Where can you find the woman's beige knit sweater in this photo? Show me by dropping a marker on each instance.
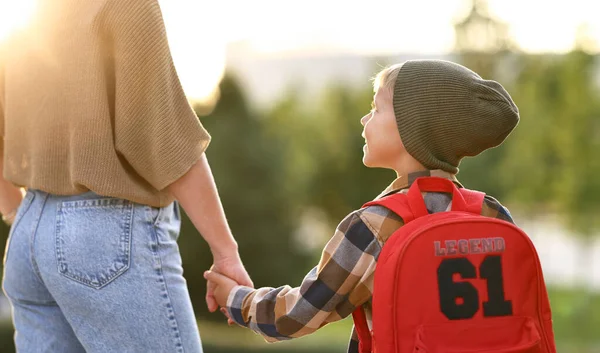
(90, 100)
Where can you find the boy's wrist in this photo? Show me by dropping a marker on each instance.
(235, 302)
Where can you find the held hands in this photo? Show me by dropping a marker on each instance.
(221, 287)
(225, 273)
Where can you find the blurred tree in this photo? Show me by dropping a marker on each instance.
(247, 166)
(557, 139)
(531, 156)
(345, 183)
(323, 147)
(481, 40)
(552, 157)
(483, 44)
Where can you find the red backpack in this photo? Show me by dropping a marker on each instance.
(455, 282)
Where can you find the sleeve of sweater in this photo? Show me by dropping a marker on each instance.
(1, 95)
(155, 128)
(2, 98)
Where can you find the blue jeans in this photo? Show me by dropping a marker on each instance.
(88, 273)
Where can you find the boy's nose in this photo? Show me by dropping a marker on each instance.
(364, 119)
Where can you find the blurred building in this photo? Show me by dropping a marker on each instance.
(266, 76)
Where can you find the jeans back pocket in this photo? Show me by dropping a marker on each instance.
(93, 240)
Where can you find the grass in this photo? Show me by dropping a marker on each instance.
(332, 338)
(576, 325)
(576, 317)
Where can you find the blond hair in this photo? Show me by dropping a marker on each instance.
(386, 78)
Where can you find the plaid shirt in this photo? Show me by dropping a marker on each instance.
(343, 279)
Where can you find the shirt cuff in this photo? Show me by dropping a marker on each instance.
(235, 303)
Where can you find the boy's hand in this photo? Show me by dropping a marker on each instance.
(229, 321)
(222, 286)
(231, 267)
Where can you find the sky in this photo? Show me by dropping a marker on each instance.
(366, 27)
(199, 30)
(381, 25)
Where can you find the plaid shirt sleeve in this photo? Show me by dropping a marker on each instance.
(342, 281)
(493, 208)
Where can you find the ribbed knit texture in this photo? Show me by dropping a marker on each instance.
(446, 112)
(90, 100)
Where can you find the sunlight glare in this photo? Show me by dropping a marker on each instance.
(14, 14)
(544, 26)
(197, 47)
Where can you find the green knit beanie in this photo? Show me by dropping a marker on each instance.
(446, 112)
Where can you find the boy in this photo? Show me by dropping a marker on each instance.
(427, 115)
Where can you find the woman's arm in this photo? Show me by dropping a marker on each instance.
(197, 193)
(10, 196)
(158, 133)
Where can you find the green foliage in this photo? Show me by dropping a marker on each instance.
(323, 145)
(551, 160)
(549, 163)
(248, 169)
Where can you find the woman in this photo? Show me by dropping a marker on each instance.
(97, 128)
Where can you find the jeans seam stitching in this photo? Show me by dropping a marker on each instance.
(34, 266)
(159, 217)
(166, 289)
(95, 203)
(30, 302)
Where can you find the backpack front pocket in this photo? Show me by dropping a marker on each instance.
(497, 335)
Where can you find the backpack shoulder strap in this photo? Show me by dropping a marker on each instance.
(474, 200)
(397, 203)
(365, 343)
(400, 204)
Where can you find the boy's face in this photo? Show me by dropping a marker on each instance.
(383, 147)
